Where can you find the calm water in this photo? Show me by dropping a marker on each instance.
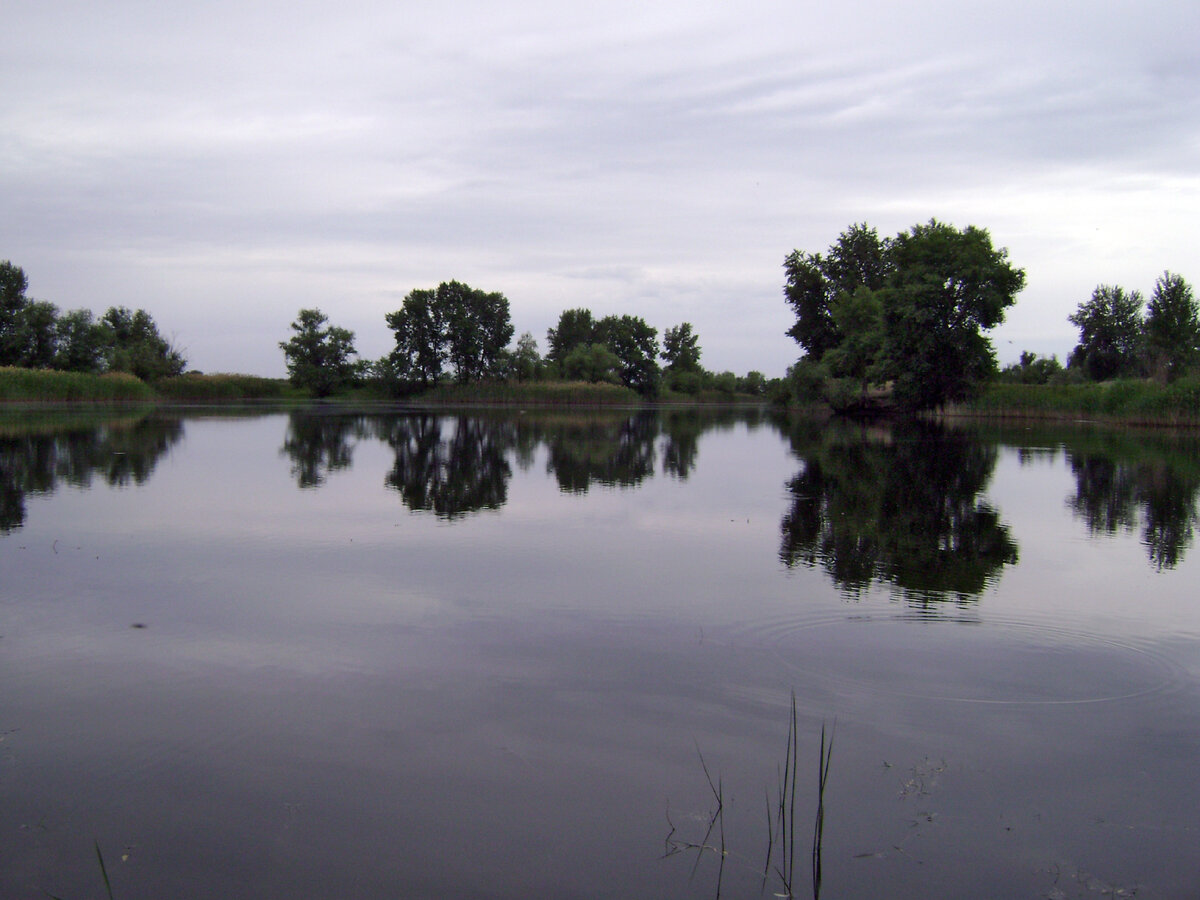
(282, 655)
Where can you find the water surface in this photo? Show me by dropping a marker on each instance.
(491, 655)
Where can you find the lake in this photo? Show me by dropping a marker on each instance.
(574, 654)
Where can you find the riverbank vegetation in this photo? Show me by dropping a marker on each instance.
(893, 325)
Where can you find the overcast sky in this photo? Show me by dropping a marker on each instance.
(223, 164)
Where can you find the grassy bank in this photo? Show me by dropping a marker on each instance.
(532, 393)
(44, 386)
(37, 385)
(193, 388)
(1135, 402)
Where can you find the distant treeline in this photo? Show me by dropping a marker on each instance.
(455, 334)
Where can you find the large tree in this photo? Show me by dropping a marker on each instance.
(1172, 327)
(452, 324)
(1110, 334)
(681, 349)
(944, 288)
(576, 328)
(13, 301)
(910, 310)
(636, 344)
(135, 345)
(318, 355)
(478, 328)
(858, 258)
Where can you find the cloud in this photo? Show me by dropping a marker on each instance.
(224, 165)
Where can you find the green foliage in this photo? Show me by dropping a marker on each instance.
(81, 342)
(576, 328)
(945, 287)
(318, 356)
(13, 285)
(1110, 334)
(194, 386)
(636, 346)
(525, 362)
(909, 310)
(813, 284)
(593, 363)
(1172, 327)
(135, 346)
(681, 349)
(45, 385)
(452, 324)
(726, 383)
(1033, 369)
(858, 317)
(754, 383)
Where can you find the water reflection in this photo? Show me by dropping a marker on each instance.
(120, 452)
(319, 444)
(1151, 483)
(895, 505)
(451, 467)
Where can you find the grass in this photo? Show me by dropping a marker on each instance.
(39, 385)
(1131, 401)
(781, 818)
(191, 388)
(533, 393)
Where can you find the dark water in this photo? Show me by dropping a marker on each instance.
(320, 655)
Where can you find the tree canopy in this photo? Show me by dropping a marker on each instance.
(909, 310)
(1110, 333)
(319, 355)
(452, 324)
(1172, 327)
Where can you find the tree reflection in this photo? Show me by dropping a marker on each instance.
(609, 450)
(120, 453)
(1152, 484)
(899, 506)
(451, 467)
(319, 444)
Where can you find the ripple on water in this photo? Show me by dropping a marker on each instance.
(1002, 661)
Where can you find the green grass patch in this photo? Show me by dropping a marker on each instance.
(533, 393)
(192, 388)
(45, 386)
(1133, 401)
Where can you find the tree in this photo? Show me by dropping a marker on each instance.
(419, 328)
(81, 342)
(858, 317)
(33, 338)
(318, 356)
(525, 361)
(1110, 333)
(135, 345)
(478, 329)
(576, 328)
(813, 283)
(681, 349)
(451, 324)
(636, 344)
(1172, 327)
(943, 288)
(592, 363)
(13, 285)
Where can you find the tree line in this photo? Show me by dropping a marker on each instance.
(904, 318)
(1123, 336)
(35, 335)
(461, 334)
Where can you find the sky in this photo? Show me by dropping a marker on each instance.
(225, 164)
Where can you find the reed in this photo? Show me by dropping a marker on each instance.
(192, 387)
(48, 386)
(1133, 401)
